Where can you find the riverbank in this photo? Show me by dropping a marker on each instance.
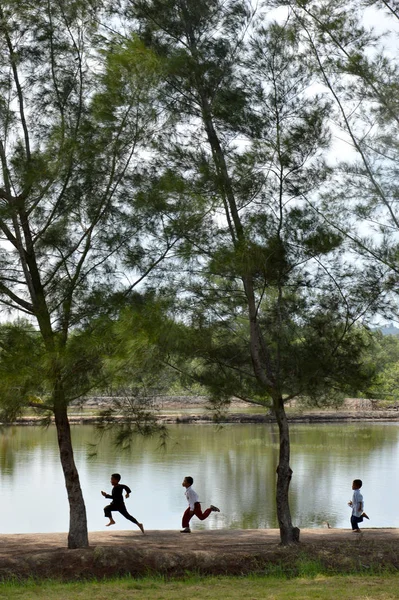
(213, 552)
(194, 409)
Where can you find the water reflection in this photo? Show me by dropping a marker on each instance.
(233, 468)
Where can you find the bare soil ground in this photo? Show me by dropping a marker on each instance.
(170, 553)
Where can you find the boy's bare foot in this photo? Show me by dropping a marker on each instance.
(214, 508)
(141, 527)
(365, 516)
(112, 522)
(356, 531)
(186, 530)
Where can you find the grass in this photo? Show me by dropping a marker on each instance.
(252, 587)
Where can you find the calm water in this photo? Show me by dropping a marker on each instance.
(233, 468)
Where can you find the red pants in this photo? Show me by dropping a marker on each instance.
(197, 512)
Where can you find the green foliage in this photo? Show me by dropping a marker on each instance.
(318, 359)
(134, 371)
(386, 386)
(28, 369)
(22, 369)
(383, 356)
(104, 356)
(131, 71)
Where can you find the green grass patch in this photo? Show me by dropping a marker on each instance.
(252, 587)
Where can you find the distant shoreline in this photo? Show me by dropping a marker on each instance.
(193, 410)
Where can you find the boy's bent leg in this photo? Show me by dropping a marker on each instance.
(108, 513)
(123, 511)
(198, 512)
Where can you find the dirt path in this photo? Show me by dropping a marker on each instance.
(114, 552)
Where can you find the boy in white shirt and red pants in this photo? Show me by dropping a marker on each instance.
(194, 506)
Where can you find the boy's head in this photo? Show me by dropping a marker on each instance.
(115, 478)
(357, 484)
(187, 481)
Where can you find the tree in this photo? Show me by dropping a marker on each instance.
(360, 73)
(75, 108)
(242, 145)
(383, 357)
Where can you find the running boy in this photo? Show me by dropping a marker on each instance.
(194, 506)
(357, 505)
(118, 502)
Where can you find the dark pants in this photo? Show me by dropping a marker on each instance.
(120, 508)
(355, 522)
(197, 512)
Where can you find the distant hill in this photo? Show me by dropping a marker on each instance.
(388, 329)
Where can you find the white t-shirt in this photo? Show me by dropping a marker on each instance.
(356, 499)
(192, 497)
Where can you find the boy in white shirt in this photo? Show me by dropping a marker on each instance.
(194, 506)
(357, 505)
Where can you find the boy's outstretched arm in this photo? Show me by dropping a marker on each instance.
(106, 495)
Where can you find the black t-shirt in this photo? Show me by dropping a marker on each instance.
(117, 493)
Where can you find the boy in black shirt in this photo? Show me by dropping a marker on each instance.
(118, 502)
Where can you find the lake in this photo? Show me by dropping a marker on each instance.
(233, 468)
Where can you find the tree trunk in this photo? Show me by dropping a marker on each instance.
(77, 536)
(288, 533)
(260, 354)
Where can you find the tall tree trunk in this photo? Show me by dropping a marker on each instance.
(288, 533)
(77, 536)
(261, 358)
